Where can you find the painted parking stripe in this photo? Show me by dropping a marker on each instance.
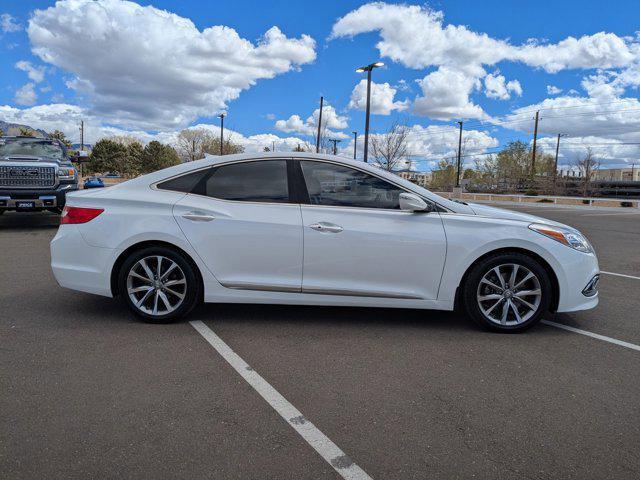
(597, 336)
(322, 444)
(620, 275)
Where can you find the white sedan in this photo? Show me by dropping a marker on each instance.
(309, 229)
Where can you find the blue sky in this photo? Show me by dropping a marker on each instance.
(489, 63)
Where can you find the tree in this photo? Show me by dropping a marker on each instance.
(61, 137)
(211, 146)
(27, 132)
(107, 156)
(157, 156)
(390, 149)
(444, 177)
(587, 166)
(190, 143)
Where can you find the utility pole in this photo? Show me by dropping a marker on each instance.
(81, 135)
(555, 164)
(319, 125)
(459, 155)
(273, 145)
(355, 143)
(221, 133)
(533, 151)
(335, 145)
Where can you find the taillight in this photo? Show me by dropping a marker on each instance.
(75, 215)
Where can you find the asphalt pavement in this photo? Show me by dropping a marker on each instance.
(87, 391)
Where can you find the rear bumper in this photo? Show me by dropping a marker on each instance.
(79, 266)
(41, 198)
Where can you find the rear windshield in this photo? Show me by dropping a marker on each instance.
(32, 147)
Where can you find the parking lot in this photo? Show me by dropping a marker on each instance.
(87, 391)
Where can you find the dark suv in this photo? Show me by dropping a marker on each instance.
(35, 174)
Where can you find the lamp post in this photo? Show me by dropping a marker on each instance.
(368, 69)
(221, 116)
(555, 163)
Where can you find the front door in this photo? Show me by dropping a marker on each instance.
(358, 242)
(244, 227)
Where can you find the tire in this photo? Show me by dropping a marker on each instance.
(170, 296)
(485, 298)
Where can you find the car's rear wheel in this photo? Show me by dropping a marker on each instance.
(507, 292)
(158, 284)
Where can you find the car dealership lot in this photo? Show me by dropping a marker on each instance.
(87, 391)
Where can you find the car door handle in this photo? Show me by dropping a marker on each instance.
(326, 227)
(198, 217)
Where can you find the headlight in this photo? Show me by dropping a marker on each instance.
(66, 173)
(569, 238)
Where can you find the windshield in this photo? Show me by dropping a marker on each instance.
(32, 147)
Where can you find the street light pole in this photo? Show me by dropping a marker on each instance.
(319, 125)
(221, 116)
(368, 69)
(459, 155)
(355, 143)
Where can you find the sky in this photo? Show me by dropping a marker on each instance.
(151, 69)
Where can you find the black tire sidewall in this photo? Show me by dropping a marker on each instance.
(193, 284)
(479, 270)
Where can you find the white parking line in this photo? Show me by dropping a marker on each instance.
(620, 275)
(615, 341)
(608, 214)
(307, 430)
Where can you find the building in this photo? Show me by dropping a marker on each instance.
(419, 178)
(618, 174)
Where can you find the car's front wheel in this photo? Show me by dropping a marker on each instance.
(507, 292)
(158, 284)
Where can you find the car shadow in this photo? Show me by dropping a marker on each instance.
(332, 316)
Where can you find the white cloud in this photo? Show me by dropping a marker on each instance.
(445, 95)
(496, 87)
(34, 73)
(171, 73)
(67, 118)
(417, 37)
(8, 24)
(26, 95)
(382, 96)
(553, 90)
(309, 127)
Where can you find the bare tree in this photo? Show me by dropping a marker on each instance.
(587, 166)
(391, 149)
(191, 142)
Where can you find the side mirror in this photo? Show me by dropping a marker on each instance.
(413, 203)
(81, 157)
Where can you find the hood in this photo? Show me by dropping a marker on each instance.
(501, 213)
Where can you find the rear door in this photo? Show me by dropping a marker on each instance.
(243, 225)
(358, 242)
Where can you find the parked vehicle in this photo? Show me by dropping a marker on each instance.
(315, 230)
(35, 174)
(93, 182)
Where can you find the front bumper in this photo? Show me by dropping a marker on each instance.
(579, 287)
(41, 198)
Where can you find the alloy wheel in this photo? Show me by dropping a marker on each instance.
(156, 285)
(509, 294)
